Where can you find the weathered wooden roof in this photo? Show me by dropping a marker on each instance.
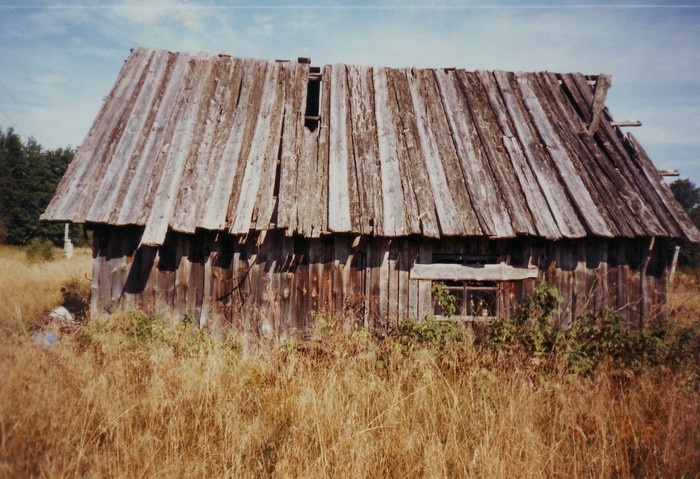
(220, 143)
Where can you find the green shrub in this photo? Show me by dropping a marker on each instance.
(532, 328)
(445, 299)
(38, 250)
(430, 332)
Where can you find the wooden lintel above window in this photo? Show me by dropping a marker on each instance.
(458, 272)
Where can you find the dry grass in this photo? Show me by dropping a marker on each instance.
(133, 397)
(27, 288)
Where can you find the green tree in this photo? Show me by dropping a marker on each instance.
(29, 176)
(688, 195)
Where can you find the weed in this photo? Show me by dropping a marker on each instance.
(445, 299)
(38, 250)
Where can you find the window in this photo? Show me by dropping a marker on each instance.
(473, 299)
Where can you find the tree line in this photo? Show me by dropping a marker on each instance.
(688, 195)
(29, 175)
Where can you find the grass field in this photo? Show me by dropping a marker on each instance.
(136, 396)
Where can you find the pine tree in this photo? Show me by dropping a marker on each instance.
(28, 179)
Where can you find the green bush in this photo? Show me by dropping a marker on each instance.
(446, 300)
(430, 332)
(532, 328)
(39, 250)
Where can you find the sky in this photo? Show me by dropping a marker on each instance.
(59, 59)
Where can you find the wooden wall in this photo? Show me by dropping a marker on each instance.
(271, 283)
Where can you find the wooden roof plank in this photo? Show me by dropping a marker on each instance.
(644, 203)
(265, 202)
(138, 195)
(608, 179)
(215, 212)
(562, 211)
(440, 131)
(415, 172)
(196, 167)
(340, 154)
(255, 100)
(584, 154)
(412, 215)
(394, 214)
(293, 123)
(115, 177)
(173, 163)
(320, 212)
(241, 220)
(579, 194)
(529, 208)
(492, 216)
(364, 129)
(308, 184)
(77, 190)
(228, 73)
(448, 217)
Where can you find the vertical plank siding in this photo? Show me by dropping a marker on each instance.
(275, 284)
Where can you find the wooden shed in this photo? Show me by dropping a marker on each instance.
(214, 184)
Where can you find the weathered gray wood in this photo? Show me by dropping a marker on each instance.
(641, 201)
(602, 85)
(340, 154)
(255, 163)
(440, 132)
(117, 175)
(176, 153)
(394, 215)
(411, 212)
(364, 129)
(224, 192)
(293, 123)
(93, 157)
(138, 198)
(450, 221)
(265, 201)
(458, 272)
(320, 211)
(530, 211)
(195, 176)
(578, 193)
(489, 206)
(308, 185)
(603, 182)
(566, 219)
(418, 194)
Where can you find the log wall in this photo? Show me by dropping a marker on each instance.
(272, 283)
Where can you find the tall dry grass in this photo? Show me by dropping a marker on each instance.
(135, 396)
(27, 288)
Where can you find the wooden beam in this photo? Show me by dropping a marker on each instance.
(601, 91)
(626, 123)
(669, 172)
(674, 264)
(458, 272)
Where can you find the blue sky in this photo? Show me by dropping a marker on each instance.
(58, 60)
